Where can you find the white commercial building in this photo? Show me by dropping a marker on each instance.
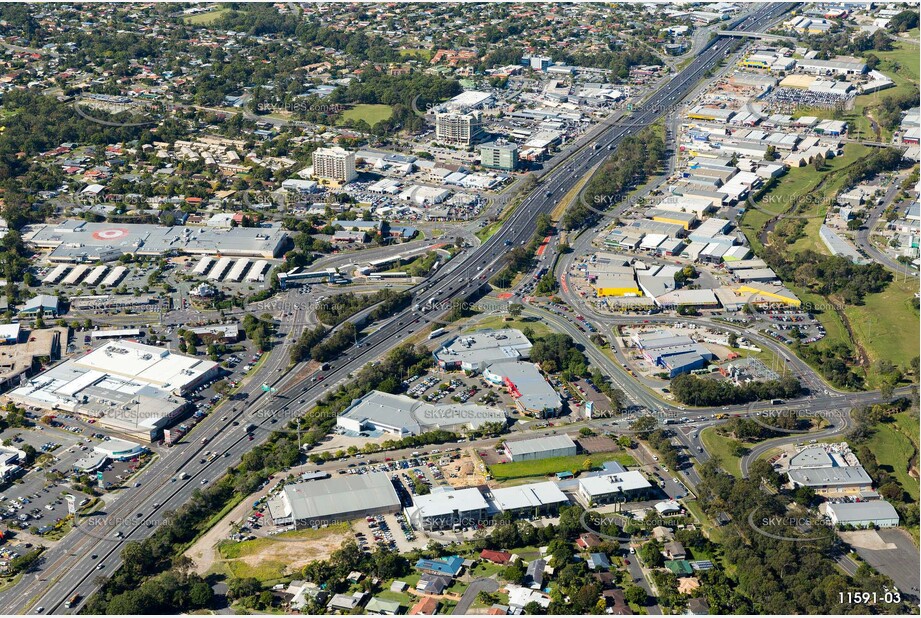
(618, 487)
(334, 500)
(447, 507)
(873, 513)
(530, 500)
(126, 386)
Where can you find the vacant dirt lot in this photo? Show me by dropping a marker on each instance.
(464, 472)
(597, 444)
(276, 556)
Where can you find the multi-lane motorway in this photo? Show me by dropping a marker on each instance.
(72, 566)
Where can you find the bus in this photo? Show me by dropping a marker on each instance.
(72, 601)
(438, 332)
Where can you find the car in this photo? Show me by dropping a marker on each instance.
(100, 566)
(39, 609)
(626, 561)
(204, 481)
(93, 556)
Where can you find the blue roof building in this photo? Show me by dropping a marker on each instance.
(450, 565)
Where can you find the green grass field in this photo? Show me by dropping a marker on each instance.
(880, 322)
(887, 323)
(901, 65)
(799, 182)
(497, 322)
(718, 446)
(552, 465)
(370, 113)
(206, 19)
(894, 444)
(421, 54)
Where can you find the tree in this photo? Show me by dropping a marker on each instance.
(635, 595)
(644, 424)
(200, 595)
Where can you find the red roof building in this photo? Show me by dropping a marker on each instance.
(496, 557)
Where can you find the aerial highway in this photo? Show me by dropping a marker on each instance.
(93, 550)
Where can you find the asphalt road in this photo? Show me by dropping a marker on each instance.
(863, 234)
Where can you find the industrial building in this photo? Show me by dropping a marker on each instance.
(125, 386)
(540, 448)
(473, 351)
(607, 488)
(446, 507)
(526, 384)
(676, 353)
(830, 472)
(403, 416)
(873, 513)
(334, 164)
(334, 500)
(532, 500)
(78, 241)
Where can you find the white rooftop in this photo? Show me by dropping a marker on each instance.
(613, 483)
(528, 496)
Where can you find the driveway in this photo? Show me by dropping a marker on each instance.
(470, 595)
(892, 553)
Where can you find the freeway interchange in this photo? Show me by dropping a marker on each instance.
(93, 548)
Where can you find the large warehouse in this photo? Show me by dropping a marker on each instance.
(878, 513)
(334, 500)
(524, 381)
(403, 416)
(472, 352)
(540, 448)
(128, 387)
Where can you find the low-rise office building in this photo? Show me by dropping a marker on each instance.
(532, 500)
(447, 507)
(607, 488)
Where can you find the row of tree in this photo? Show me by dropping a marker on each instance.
(637, 157)
(704, 391)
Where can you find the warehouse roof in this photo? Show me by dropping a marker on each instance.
(846, 512)
(336, 498)
(407, 414)
(611, 483)
(445, 503)
(529, 387)
(533, 495)
(484, 347)
(537, 445)
(834, 476)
